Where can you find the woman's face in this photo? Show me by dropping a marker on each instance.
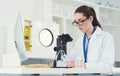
(82, 22)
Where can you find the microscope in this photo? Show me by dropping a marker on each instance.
(61, 48)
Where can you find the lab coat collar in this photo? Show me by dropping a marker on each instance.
(96, 34)
(98, 31)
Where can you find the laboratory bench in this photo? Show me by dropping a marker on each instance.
(59, 72)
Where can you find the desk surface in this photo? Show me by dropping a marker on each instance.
(51, 70)
(116, 70)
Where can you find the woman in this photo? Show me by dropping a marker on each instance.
(95, 48)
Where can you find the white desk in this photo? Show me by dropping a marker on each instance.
(51, 71)
(116, 70)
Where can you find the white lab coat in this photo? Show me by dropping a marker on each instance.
(100, 50)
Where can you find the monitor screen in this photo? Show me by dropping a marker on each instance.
(19, 39)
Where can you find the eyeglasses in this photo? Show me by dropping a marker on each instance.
(79, 23)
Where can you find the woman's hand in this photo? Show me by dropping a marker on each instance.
(83, 65)
(71, 64)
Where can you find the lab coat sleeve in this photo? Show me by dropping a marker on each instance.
(107, 58)
(70, 57)
(76, 51)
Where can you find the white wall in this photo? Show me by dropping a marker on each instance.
(11, 8)
(3, 39)
(8, 15)
(43, 10)
(29, 9)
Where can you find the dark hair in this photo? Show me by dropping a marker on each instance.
(88, 11)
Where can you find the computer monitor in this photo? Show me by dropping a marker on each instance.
(19, 39)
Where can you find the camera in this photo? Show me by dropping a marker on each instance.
(62, 45)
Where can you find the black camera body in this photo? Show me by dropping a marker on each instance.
(62, 44)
